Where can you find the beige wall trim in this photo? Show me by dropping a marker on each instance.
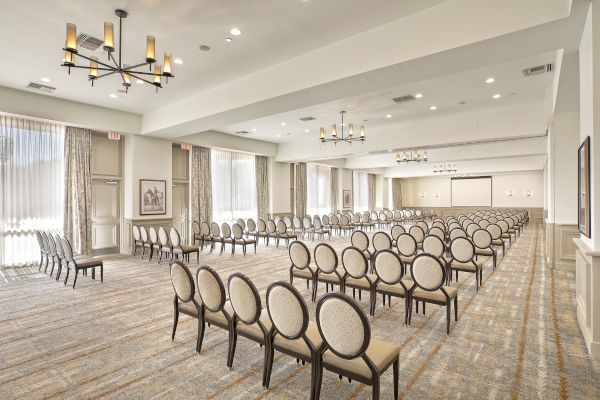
(587, 295)
(560, 247)
(534, 213)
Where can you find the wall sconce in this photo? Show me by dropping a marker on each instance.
(436, 194)
(509, 193)
(528, 193)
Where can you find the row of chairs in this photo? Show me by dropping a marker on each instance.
(339, 340)
(57, 250)
(162, 244)
(214, 234)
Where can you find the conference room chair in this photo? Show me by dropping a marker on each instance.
(307, 228)
(396, 231)
(360, 240)
(291, 332)
(215, 236)
(249, 319)
(165, 247)
(389, 281)
(462, 253)
(60, 254)
(180, 249)
(154, 242)
(296, 226)
(407, 247)
(300, 263)
(320, 230)
(419, 234)
(196, 233)
(251, 230)
(215, 308)
(356, 272)
(238, 239)
(242, 224)
(43, 253)
(80, 263)
(504, 227)
(145, 240)
(482, 240)
(381, 241)
(471, 228)
(335, 224)
(271, 230)
(326, 260)
(226, 237)
(283, 233)
(137, 239)
(186, 300)
(429, 276)
(348, 348)
(260, 231)
(206, 237)
(345, 225)
(52, 251)
(423, 225)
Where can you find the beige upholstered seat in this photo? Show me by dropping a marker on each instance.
(238, 239)
(163, 243)
(388, 280)
(186, 300)
(348, 348)
(462, 251)
(283, 233)
(356, 271)
(180, 249)
(78, 263)
(483, 242)
(299, 346)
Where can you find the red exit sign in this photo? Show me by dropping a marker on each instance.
(114, 135)
(185, 146)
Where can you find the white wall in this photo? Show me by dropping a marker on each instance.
(379, 191)
(213, 139)
(420, 192)
(564, 156)
(146, 158)
(280, 187)
(345, 184)
(73, 113)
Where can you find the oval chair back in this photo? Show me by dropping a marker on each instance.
(381, 241)
(482, 239)
(288, 221)
(144, 234)
(195, 228)
(226, 230)
(462, 250)
(136, 232)
(406, 245)
(174, 237)
(360, 240)
(272, 228)
(354, 262)
(205, 229)
(261, 226)
(281, 228)
(215, 230)
(154, 235)
(433, 245)
(244, 298)
(297, 223)
(397, 230)
(182, 281)
(388, 267)
(299, 255)
(494, 230)
(252, 225)
(326, 258)
(457, 232)
(287, 310)
(484, 223)
(471, 228)
(423, 225)
(210, 288)
(60, 252)
(163, 237)
(428, 272)
(241, 222)
(67, 249)
(436, 231)
(237, 231)
(417, 232)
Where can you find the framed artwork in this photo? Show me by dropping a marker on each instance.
(583, 186)
(347, 199)
(153, 197)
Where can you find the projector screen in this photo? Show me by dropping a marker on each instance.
(472, 192)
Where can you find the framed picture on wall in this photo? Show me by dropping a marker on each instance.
(153, 197)
(347, 199)
(583, 185)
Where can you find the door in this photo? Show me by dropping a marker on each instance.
(180, 210)
(105, 217)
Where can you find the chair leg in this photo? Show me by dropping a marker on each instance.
(448, 306)
(318, 378)
(102, 273)
(232, 345)
(201, 328)
(376, 387)
(75, 280)
(175, 320)
(396, 376)
(67, 276)
(456, 309)
(269, 366)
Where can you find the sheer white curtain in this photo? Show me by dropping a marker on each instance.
(233, 186)
(32, 186)
(318, 191)
(361, 191)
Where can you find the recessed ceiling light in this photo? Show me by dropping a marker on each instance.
(282, 124)
(114, 96)
(228, 40)
(490, 80)
(204, 47)
(139, 81)
(462, 102)
(418, 95)
(389, 150)
(306, 131)
(235, 32)
(279, 135)
(178, 61)
(253, 129)
(388, 116)
(44, 79)
(433, 108)
(496, 96)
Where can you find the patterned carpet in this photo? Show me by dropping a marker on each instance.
(516, 338)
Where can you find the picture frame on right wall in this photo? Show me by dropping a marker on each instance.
(583, 187)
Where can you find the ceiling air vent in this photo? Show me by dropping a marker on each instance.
(305, 119)
(41, 88)
(537, 70)
(404, 99)
(89, 42)
(242, 133)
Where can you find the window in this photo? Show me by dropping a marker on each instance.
(318, 193)
(32, 187)
(233, 186)
(361, 191)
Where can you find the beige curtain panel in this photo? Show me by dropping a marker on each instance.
(78, 189)
(301, 189)
(397, 193)
(372, 191)
(334, 189)
(262, 186)
(201, 185)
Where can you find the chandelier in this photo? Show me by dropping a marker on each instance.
(411, 156)
(449, 168)
(334, 133)
(98, 69)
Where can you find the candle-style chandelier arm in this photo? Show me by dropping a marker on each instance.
(135, 75)
(110, 67)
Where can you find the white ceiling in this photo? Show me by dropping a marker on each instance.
(32, 32)
(445, 93)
